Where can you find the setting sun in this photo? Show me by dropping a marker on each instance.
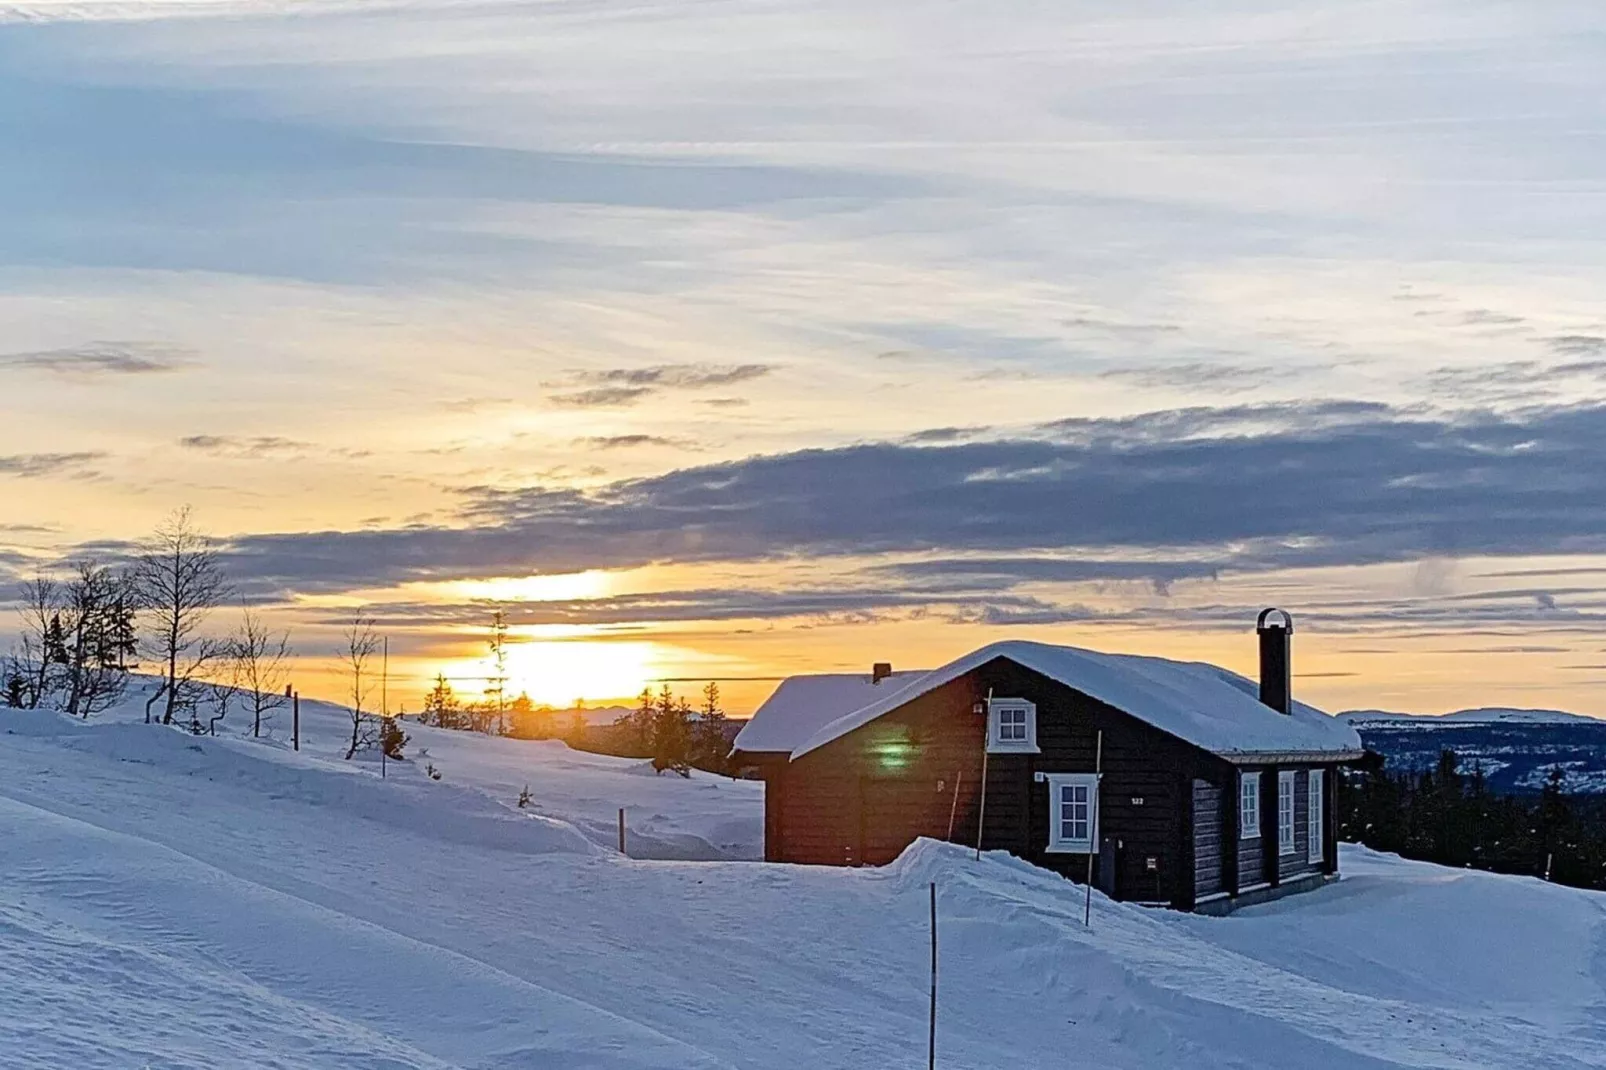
(558, 672)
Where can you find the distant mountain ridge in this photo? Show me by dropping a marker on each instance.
(1481, 715)
(1515, 748)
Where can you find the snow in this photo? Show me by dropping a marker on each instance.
(1484, 715)
(802, 705)
(173, 902)
(701, 817)
(1577, 778)
(1202, 704)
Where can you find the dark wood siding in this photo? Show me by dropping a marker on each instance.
(864, 797)
(1168, 811)
(1208, 814)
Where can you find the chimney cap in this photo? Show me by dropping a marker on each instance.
(880, 671)
(1287, 625)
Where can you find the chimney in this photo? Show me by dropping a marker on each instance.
(1276, 660)
(880, 671)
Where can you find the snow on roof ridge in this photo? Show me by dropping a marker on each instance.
(1200, 703)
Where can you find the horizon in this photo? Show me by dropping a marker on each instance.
(738, 341)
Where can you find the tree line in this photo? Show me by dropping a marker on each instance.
(1449, 816)
(86, 628)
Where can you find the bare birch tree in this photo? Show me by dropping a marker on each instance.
(90, 603)
(39, 605)
(362, 644)
(261, 659)
(180, 581)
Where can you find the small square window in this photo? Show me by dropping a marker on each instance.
(1012, 726)
(1249, 806)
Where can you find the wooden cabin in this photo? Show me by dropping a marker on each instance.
(1173, 783)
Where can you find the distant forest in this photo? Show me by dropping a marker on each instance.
(1448, 815)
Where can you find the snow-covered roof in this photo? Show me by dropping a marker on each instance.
(802, 705)
(1199, 703)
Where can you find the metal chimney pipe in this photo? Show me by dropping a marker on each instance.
(1276, 660)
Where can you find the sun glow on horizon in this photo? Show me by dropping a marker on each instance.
(560, 672)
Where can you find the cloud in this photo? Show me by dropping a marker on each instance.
(1581, 345)
(1004, 572)
(1218, 376)
(622, 442)
(244, 447)
(42, 465)
(601, 397)
(611, 387)
(677, 376)
(1514, 379)
(944, 434)
(1173, 494)
(703, 604)
(98, 359)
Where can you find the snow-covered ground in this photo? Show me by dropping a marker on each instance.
(169, 902)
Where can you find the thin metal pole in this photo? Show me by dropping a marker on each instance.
(931, 1042)
(621, 830)
(1098, 775)
(987, 739)
(295, 719)
(384, 680)
(953, 811)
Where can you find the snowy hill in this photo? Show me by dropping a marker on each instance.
(1486, 715)
(169, 901)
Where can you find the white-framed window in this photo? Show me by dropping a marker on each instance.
(1314, 817)
(1012, 726)
(1249, 806)
(1073, 812)
(1285, 812)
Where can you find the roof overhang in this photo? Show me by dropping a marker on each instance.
(761, 757)
(1309, 757)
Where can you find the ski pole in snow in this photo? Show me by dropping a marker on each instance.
(295, 720)
(621, 830)
(953, 811)
(931, 1040)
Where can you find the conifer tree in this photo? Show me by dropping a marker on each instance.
(441, 707)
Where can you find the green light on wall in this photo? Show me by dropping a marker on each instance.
(894, 753)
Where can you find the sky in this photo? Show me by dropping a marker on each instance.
(729, 340)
